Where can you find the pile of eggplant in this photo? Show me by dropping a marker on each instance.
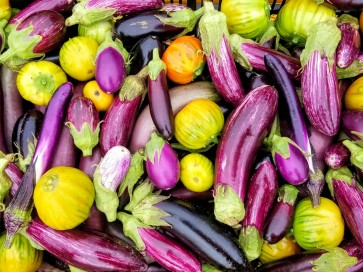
(122, 150)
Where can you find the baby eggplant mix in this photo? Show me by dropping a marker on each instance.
(181, 136)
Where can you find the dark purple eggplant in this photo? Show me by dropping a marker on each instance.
(88, 164)
(237, 150)
(258, 81)
(261, 193)
(352, 124)
(159, 98)
(183, 193)
(337, 155)
(346, 4)
(87, 12)
(96, 219)
(280, 219)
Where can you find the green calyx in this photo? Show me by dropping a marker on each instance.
(270, 33)
(341, 174)
(5, 181)
(235, 41)
(156, 65)
(154, 145)
(334, 260)
(85, 139)
(251, 242)
(199, 69)
(228, 206)
(75, 269)
(116, 44)
(346, 18)
(22, 162)
(134, 85)
(209, 268)
(280, 145)
(353, 70)
(356, 153)
(287, 193)
(139, 194)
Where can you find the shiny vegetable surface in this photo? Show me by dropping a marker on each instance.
(353, 98)
(100, 99)
(287, 246)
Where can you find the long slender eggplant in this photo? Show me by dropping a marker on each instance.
(159, 97)
(337, 155)
(237, 149)
(353, 70)
(280, 219)
(354, 250)
(88, 164)
(352, 124)
(214, 35)
(15, 175)
(261, 193)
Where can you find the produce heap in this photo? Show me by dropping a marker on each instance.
(142, 136)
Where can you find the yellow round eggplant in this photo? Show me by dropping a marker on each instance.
(287, 246)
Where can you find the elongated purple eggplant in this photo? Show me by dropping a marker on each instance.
(87, 12)
(88, 164)
(162, 164)
(261, 193)
(337, 155)
(3, 147)
(36, 35)
(280, 219)
(346, 4)
(353, 70)
(319, 91)
(86, 248)
(159, 98)
(121, 116)
(183, 193)
(237, 150)
(214, 35)
(349, 45)
(163, 249)
(354, 250)
(352, 124)
(15, 175)
(344, 188)
(96, 219)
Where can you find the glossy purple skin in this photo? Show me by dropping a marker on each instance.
(295, 168)
(15, 175)
(224, 74)
(354, 250)
(123, 7)
(320, 94)
(87, 249)
(349, 45)
(96, 219)
(88, 164)
(110, 70)
(48, 24)
(337, 155)
(168, 252)
(352, 121)
(243, 133)
(82, 110)
(185, 194)
(165, 171)
(261, 193)
(346, 4)
(39, 5)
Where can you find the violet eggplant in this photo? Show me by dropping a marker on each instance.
(280, 219)
(96, 219)
(163, 249)
(121, 116)
(258, 81)
(36, 35)
(87, 12)
(237, 149)
(183, 193)
(159, 97)
(86, 248)
(214, 36)
(88, 164)
(261, 193)
(320, 95)
(162, 164)
(346, 4)
(349, 45)
(353, 70)
(83, 121)
(352, 124)
(15, 175)
(337, 155)
(354, 250)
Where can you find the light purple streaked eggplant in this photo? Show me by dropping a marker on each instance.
(15, 175)
(346, 4)
(354, 250)
(337, 155)
(353, 70)
(352, 124)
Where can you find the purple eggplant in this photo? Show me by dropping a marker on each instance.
(214, 36)
(349, 45)
(280, 219)
(159, 98)
(15, 175)
(352, 124)
(163, 249)
(86, 248)
(354, 250)
(237, 150)
(96, 219)
(162, 164)
(87, 12)
(88, 164)
(3, 147)
(353, 70)
(183, 193)
(337, 155)
(261, 193)
(36, 35)
(346, 4)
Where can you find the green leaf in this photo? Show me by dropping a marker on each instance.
(5, 181)
(341, 174)
(251, 242)
(139, 194)
(335, 260)
(209, 268)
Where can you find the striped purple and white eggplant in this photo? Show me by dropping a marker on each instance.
(87, 249)
(237, 150)
(352, 124)
(165, 250)
(279, 221)
(337, 155)
(353, 70)
(319, 82)
(261, 194)
(349, 45)
(87, 12)
(15, 175)
(214, 36)
(349, 197)
(354, 250)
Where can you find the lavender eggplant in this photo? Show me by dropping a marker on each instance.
(337, 155)
(36, 35)
(87, 249)
(15, 175)
(107, 177)
(349, 45)
(352, 121)
(260, 196)
(280, 219)
(162, 164)
(88, 164)
(237, 150)
(214, 35)
(163, 249)
(87, 12)
(159, 98)
(353, 70)
(354, 250)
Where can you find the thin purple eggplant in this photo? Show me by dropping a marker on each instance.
(237, 150)
(88, 164)
(183, 193)
(354, 250)
(219, 57)
(15, 175)
(346, 4)
(352, 124)
(159, 98)
(337, 155)
(96, 219)
(261, 193)
(279, 221)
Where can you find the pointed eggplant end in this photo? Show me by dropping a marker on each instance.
(251, 242)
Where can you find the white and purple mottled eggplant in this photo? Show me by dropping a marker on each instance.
(337, 155)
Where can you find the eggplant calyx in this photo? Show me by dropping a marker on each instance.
(334, 260)
(288, 193)
(154, 145)
(356, 151)
(342, 174)
(315, 185)
(270, 33)
(139, 194)
(236, 41)
(134, 85)
(349, 19)
(5, 182)
(251, 242)
(156, 65)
